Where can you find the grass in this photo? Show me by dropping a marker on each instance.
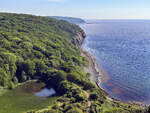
(118, 107)
(19, 101)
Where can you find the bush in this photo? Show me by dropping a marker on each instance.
(64, 87)
(93, 96)
(88, 85)
(56, 78)
(29, 67)
(11, 86)
(15, 80)
(74, 77)
(75, 110)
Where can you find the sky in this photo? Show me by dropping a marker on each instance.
(86, 9)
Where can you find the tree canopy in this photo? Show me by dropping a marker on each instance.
(32, 46)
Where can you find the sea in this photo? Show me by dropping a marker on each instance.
(122, 49)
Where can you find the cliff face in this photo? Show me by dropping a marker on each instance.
(79, 38)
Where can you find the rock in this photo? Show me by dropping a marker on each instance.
(79, 38)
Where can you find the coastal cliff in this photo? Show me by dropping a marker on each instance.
(79, 38)
(94, 69)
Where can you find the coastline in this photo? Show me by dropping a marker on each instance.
(97, 74)
(101, 76)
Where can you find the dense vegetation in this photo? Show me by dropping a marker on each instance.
(42, 48)
(70, 19)
(36, 48)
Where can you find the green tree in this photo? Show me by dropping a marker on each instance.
(11, 85)
(74, 110)
(23, 76)
(15, 80)
(29, 67)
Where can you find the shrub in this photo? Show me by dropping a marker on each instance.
(93, 96)
(11, 86)
(74, 77)
(74, 110)
(88, 85)
(29, 67)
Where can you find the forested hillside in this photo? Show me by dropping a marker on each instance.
(43, 48)
(32, 47)
(70, 19)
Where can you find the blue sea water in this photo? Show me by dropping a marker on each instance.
(122, 48)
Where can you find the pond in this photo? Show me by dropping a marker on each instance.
(46, 92)
(23, 98)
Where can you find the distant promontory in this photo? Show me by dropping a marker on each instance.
(73, 20)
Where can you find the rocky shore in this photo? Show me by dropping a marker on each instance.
(78, 40)
(98, 75)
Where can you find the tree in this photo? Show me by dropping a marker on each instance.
(11, 86)
(74, 77)
(4, 78)
(57, 77)
(15, 80)
(40, 67)
(29, 67)
(23, 76)
(93, 96)
(88, 85)
(74, 110)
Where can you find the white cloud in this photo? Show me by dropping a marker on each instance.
(56, 0)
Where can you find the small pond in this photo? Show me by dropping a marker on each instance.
(46, 92)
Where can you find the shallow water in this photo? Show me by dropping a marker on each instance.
(122, 48)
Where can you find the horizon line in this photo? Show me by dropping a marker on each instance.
(77, 16)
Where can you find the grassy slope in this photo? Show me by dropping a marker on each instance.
(17, 101)
(41, 48)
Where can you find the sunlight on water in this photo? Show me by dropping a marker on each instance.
(123, 50)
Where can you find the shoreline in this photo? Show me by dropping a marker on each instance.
(97, 74)
(100, 76)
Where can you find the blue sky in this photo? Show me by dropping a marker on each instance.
(88, 9)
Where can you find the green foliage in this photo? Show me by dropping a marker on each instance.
(23, 76)
(4, 78)
(93, 96)
(29, 67)
(74, 77)
(18, 101)
(72, 90)
(11, 86)
(42, 48)
(15, 80)
(95, 108)
(32, 45)
(55, 79)
(74, 110)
